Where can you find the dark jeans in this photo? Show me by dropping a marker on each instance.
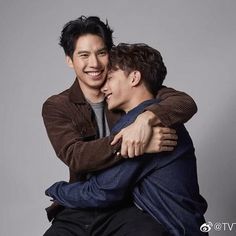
(126, 221)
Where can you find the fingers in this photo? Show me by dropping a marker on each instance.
(128, 149)
(139, 150)
(168, 143)
(162, 133)
(116, 139)
(131, 149)
(163, 139)
(168, 137)
(164, 130)
(124, 150)
(166, 149)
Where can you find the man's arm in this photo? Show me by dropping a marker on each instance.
(105, 189)
(87, 156)
(111, 186)
(174, 108)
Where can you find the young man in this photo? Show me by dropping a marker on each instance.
(78, 122)
(164, 184)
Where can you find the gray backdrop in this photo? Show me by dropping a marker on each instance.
(197, 40)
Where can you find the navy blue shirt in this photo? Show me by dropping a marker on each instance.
(163, 184)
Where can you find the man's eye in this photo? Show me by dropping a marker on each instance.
(103, 53)
(83, 55)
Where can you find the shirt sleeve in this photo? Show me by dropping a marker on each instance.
(105, 189)
(175, 107)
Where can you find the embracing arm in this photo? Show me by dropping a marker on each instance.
(81, 155)
(102, 190)
(175, 107)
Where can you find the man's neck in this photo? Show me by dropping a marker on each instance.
(94, 95)
(137, 99)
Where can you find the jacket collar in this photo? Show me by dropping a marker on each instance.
(76, 96)
(75, 93)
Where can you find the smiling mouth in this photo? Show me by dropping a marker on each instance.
(94, 73)
(107, 96)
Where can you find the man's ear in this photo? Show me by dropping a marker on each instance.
(135, 78)
(69, 62)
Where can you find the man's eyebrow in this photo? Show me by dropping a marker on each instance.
(82, 51)
(102, 49)
(99, 50)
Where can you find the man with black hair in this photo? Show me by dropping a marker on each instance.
(78, 124)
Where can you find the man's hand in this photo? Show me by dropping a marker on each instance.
(163, 139)
(135, 138)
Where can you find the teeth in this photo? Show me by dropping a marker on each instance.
(94, 73)
(108, 96)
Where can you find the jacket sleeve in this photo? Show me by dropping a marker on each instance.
(175, 107)
(79, 155)
(102, 190)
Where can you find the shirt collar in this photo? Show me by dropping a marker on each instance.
(75, 93)
(130, 117)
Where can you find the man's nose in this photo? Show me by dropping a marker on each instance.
(93, 62)
(104, 88)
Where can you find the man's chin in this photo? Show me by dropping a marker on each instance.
(110, 106)
(114, 108)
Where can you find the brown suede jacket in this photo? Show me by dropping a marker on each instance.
(73, 132)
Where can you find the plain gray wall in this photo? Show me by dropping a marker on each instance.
(197, 40)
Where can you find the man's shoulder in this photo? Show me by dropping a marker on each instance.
(59, 98)
(58, 102)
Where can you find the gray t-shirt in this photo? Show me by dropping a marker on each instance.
(101, 119)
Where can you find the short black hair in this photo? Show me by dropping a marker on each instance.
(82, 26)
(143, 58)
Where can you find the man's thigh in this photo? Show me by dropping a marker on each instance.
(127, 221)
(70, 222)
